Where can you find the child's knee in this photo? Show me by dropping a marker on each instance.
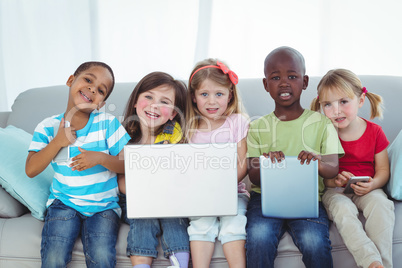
(314, 242)
(103, 256)
(55, 253)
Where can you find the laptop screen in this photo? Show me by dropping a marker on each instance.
(181, 180)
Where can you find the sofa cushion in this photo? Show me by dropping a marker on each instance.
(9, 206)
(31, 192)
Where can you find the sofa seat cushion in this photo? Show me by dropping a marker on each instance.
(20, 241)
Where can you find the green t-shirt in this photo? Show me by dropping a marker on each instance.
(312, 132)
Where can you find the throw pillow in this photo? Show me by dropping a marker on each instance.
(10, 207)
(394, 185)
(31, 192)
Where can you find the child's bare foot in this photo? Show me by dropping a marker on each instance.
(376, 264)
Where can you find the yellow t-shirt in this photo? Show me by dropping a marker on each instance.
(172, 133)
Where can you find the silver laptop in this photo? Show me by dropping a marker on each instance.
(289, 190)
(181, 180)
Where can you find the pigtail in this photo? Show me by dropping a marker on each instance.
(376, 103)
(315, 105)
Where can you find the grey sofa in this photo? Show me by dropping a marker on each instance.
(20, 237)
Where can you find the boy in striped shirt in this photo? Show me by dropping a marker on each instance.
(84, 193)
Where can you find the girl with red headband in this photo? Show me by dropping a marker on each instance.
(214, 116)
(340, 96)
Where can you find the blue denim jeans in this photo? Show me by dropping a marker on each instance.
(311, 236)
(143, 236)
(62, 227)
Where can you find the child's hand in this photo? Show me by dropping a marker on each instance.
(306, 157)
(278, 155)
(65, 135)
(86, 159)
(362, 188)
(342, 178)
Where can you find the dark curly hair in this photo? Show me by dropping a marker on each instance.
(86, 65)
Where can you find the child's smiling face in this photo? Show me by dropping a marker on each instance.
(89, 88)
(156, 106)
(284, 77)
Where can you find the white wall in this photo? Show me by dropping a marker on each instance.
(43, 41)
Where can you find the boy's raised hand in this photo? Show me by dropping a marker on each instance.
(306, 157)
(275, 156)
(65, 135)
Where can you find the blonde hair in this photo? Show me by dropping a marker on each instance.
(193, 115)
(346, 82)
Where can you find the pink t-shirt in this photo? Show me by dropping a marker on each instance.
(234, 129)
(359, 154)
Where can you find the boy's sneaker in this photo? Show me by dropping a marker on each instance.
(174, 261)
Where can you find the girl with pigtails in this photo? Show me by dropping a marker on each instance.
(340, 96)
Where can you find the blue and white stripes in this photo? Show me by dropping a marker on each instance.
(92, 190)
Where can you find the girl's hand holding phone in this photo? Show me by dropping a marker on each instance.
(363, 187)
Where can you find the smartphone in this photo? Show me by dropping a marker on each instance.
(354, 180)
(64, 154)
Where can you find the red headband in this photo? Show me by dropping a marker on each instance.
(219, 65)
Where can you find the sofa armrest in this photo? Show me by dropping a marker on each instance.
(4, 118)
